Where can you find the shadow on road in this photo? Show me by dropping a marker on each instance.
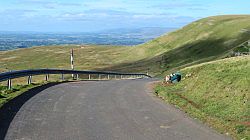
(9, 110)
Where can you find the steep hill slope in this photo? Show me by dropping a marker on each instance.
(216, 92)
(204, 40)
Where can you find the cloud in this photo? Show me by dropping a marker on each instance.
(13, 16)
(54, 5)
(176, 5)
(100, 14)
(97, 15)
(107, 11)
(72, 17)
(124, 18)
(151, 16)
(16, 12)
(49, 4)
(106, 4)
(93, 14)
(197, 9)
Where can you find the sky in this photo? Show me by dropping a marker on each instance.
(98, 15)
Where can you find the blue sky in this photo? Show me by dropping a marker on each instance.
(95, 15)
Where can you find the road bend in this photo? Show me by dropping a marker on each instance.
(101, 110)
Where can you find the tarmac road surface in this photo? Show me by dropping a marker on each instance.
(98, 110)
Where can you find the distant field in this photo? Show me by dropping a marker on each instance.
(123, 37)
(86, 57)
(216, 92)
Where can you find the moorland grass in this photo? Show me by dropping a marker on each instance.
(216, 93)
(201, 41)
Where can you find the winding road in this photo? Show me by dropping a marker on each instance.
(98, 110)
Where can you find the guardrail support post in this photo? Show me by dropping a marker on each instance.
(89, 77)
(121, 77)
(108, 76)
(115, 76)
(9, 84)
(47, 77)
(29, 80)
(99, 76)
(62, 76)
(77, 76)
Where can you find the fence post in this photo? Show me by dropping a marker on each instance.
(62, 77)
(29, 79)
(9, 84)
(47, 77)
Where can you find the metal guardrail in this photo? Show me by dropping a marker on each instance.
(23, 73)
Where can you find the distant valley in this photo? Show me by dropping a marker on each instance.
(126, 37)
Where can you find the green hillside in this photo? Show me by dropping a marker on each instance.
(204, 40)
(216, 92)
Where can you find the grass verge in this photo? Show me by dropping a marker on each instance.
(7, 95)
(216, 93)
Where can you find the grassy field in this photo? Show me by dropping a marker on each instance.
(86, 57)
(201, 41)
(216, 93)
